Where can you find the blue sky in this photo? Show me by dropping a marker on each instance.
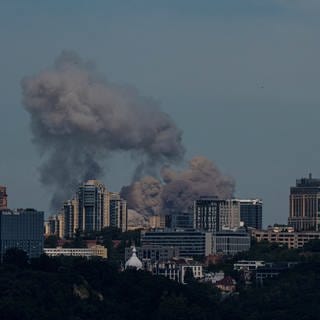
(240, 78)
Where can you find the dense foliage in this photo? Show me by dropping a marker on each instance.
(76, 289)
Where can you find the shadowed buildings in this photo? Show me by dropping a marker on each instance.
(21, 229)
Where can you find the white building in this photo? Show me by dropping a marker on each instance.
(248, 265)
(94, 251)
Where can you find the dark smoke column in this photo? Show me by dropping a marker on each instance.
(78, 119)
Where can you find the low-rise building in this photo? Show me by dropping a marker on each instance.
(226, 285)
(231, 242)
(189, 243)
(248, 265)
(286, 236)
(93, 251)
(176, 269)
(272, 270)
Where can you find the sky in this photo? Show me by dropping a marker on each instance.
(240, 78)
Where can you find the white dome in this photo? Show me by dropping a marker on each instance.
(134, 261)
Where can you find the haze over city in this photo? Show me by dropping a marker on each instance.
(240, 82)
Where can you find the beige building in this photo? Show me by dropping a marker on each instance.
(304, 203)
(93, 251)
(286, 236)
(157, 221)
(3, 198)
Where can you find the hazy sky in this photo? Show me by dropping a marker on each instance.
(240, 78)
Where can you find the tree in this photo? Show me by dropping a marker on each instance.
(15, 256)
(51, 242)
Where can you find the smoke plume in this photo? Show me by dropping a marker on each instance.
(177, 190)
(78, 118)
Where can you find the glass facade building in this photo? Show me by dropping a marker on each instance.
(22, 229)
(93, 206)
(251, 213)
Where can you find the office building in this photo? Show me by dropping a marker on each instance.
(304, 212)
(231, 242)
(189, 243)
(118, 212)
(179, 220)
(93, 200)
(22, 229)
(213, 214)
(3, 198)
(285, 236)
(251, 213)
(93, 251)
(70, 218)
(51, 226)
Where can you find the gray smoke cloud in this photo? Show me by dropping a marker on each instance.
(177, 190)
(78, 118)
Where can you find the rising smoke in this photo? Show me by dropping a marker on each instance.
(78, 119)
(177, 189)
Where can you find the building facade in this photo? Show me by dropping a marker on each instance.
(71, 218)
(286, 236)
(231, 242)
(118, 212)
(93, 199)
(176, 269)
(93, 251)
(213, 214)
(153, 253)
(22, 229)
(3, 198)
(304, 200)
(189, 243)
(251, 213)
(179, 220)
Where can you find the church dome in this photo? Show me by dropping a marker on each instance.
(134, 262)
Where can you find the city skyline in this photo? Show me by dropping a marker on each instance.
(239, 81)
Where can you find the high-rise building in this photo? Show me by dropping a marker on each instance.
(118, 211)
(21, 229)
(93, 200)
(251, 213)
(51, 226)
(157, 221)
(213, 214)
(3, 198)
(304, 212)
(71, 217)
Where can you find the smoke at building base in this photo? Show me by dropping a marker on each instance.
(175, 191)
(78, 119)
